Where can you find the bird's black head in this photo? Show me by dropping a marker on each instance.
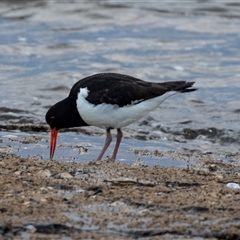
(55, 116)
(52, 117)
(64, 114)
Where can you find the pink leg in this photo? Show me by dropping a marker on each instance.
(119, 139)
(107, 143)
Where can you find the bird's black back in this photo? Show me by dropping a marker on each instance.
(113, 88)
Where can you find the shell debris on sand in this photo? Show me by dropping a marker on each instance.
(126, 201)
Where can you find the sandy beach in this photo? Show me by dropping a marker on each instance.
(101, 200)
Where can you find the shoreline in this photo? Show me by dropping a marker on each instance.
(100, 199)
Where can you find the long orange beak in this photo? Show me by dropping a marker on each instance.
(53, 144)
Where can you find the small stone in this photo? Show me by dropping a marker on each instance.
(219, 176)
(65, 175)
(233, 185)
(143, 212)
(80, 190)
(26, 204)
(44, 173)
(18, 173)
(117, 203)
(30, 228)
(43, 200)
(81, 174)
(8, 195)
(212, 167)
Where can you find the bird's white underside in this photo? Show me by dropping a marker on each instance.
(112, 116)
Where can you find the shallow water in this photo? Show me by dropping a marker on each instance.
(81, 148)
(45, 47)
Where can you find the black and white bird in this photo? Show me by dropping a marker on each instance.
(109, 101)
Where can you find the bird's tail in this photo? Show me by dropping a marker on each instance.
(180, 86)
(185, 87)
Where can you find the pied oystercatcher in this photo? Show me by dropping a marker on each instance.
(109, 100)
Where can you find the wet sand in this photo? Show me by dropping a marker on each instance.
(102, 200)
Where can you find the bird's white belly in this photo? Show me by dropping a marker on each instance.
(112, 116)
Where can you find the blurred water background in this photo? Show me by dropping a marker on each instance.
(46, 46)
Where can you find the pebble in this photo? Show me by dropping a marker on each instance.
(143, 212)
(43, 189)
(43, 200)
(81, 174)
(26, 203)
(65, 175)
(212, 167)
(233, 185)
(18, 173)
(44, 173)
(219, 176)
(31, 228)
(117, 203)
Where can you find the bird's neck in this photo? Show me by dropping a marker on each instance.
(71, 117)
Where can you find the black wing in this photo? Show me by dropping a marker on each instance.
(122, 90)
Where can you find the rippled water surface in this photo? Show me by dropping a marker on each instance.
(46, 46)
